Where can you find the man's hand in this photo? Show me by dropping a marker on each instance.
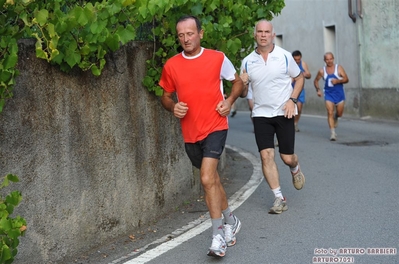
(244, 77)
(180, 110)
(289, 109)
(223, 108)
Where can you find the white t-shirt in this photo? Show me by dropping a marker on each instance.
(270, 81)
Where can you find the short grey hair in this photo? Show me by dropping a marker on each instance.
(263, 20)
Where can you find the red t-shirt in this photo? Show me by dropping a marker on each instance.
(197, 81)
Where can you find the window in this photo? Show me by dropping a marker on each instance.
(329, 39)
(278, 40)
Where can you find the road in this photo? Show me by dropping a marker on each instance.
(347, 212)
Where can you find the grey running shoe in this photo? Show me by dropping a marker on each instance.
(298, 179)
(279, 206)
(333, 136)
(230, 232)
(233, 113)
(218, 247)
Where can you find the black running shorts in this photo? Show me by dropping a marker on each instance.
(212, 147)
(265, 129)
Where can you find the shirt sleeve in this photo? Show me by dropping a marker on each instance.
(166, 80)
(293, 68)
(228, 71)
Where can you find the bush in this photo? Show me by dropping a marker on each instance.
(10, 228)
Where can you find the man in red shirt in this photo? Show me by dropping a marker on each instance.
(196, 75)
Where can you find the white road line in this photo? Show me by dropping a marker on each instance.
(198, 226)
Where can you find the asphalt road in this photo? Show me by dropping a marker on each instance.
(347, 212)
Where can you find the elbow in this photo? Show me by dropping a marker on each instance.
(244, 92)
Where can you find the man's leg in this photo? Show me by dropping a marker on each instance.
(215, 198)
(269, 168)
(215, 195)
(340, 108)
(330, 118)
(270, 172)
(264, 135)
(339, 111)
(286, 133)
(298, 116)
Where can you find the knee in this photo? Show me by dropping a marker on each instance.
(208, 181)
(267, 156)
(290, 160)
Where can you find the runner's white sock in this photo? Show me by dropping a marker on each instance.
(217, 226)
(277, 192)
(295, 169)
(228, 216)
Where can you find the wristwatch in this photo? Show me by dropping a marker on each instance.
(295, 100)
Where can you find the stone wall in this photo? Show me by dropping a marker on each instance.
(97, 157)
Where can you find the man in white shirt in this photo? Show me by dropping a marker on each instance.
(269, 70)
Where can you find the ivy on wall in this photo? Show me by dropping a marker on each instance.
(80, 33)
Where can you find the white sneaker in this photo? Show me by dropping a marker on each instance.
(218, 247)
(230, 232)
(333, 136)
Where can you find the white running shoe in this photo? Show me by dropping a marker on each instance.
(230, 232)
(333, 136)
(218, 247)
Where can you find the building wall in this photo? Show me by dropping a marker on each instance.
(379, 55)
(366, 48)
(97, 157)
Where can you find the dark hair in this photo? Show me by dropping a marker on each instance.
(296, 53)
(197, 21)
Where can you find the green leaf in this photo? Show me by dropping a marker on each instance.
(89, 12)
(10, 61)
(51, 30)
(95, 71)
(5, 75)
(73, 59)
(126, 34)
(143, 11)
(41, 54)
(5, 224)
(97, 27)
(61, 27)
(14, 198)
(158, 91)
(5, 182)
(197, 9)
(77, 15)
(12, 177)
(148, 81)
(2, 101)
(113, 42)
(5, 253)
(41, 17)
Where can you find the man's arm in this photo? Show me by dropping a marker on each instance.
(237, 90)
(306, 73)
(289, 108)
(316, 81)
(179, 109)
(299, 82)
(342, 74)
(343, 78)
